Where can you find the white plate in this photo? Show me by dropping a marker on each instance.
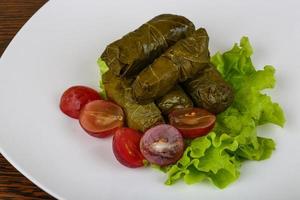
(59, 47)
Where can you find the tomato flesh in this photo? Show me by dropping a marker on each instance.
(75, 98)
(192, 122)
(126, 147)
(101, 118)
(162, 145)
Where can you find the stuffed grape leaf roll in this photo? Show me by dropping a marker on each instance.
(209, 90)
(176, 98)
(130, 54)
(139, 117)
(179, 63)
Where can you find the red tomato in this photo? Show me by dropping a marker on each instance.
(162, 145)
(74, 98)
(101, 118)
(126, 148)
(192, 122)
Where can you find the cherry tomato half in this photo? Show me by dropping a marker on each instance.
(192, 122)
(162, 145)
(126, 148)
(101, 118)
(74, 99)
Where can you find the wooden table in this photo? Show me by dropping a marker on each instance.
(13, 15)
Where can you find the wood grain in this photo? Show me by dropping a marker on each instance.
(13, 15)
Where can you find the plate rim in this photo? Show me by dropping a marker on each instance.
(2, 151)
(28, 176)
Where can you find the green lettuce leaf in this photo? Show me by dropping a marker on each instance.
(103, 68)
(218, 156)
(207, 157)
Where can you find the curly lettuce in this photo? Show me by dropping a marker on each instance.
(103, 68)
(207, 157)
(218, 156)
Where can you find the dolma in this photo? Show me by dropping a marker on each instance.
(130, 54)
(139, 117)
(176, 98)
(209, 90)
(179, 63)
